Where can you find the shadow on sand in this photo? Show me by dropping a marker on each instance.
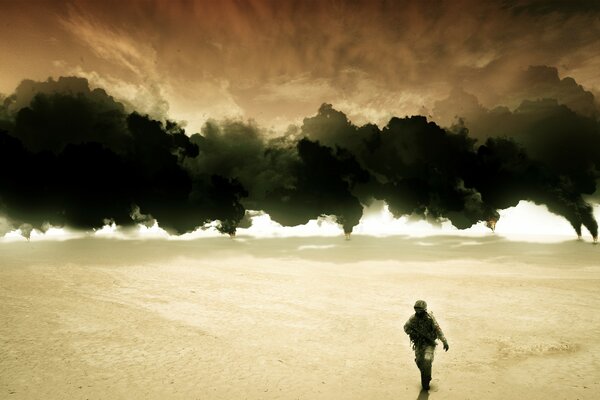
(423, 395)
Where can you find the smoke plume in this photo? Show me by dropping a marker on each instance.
(72, 156)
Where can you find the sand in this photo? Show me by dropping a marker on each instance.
(310, 318)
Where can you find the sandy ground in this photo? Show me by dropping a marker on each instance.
(310, 318)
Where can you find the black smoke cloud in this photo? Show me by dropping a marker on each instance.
(76, 158)
(292, 178)
(553, 155)
(72, 156)
(322, 183)
(416, 166)
(505, 174)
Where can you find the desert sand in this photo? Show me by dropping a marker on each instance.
(297, 318)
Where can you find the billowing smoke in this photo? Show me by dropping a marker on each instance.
(417, 168)
(504, 175)
(322, 183)
(72, 156)
(292, 178)
(554, 156)
(77, 159)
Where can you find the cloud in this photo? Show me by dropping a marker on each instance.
(560, 8)
(79, 159)
(86, 161)
(276, 62)
(139, 78)
(111, 44)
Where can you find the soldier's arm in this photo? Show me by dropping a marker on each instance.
(440, 333)
(408, 327)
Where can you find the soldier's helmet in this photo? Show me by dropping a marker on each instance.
(420, 305)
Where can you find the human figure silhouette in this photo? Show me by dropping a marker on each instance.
(423, 330)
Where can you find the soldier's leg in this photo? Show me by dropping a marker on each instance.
(426, 366)
(419, 353)
(426, 375)
(421, 363)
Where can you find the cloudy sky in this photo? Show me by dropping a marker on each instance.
(277, 61)
(274, 88)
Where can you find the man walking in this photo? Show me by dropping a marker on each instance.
(423, 330)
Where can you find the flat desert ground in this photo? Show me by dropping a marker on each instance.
(297, 318)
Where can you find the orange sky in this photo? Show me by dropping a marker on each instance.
(277, 61)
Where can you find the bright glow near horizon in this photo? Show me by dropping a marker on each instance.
(526, 222)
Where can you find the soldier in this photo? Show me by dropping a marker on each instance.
(423, 330)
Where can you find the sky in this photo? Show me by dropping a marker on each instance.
(277, 61)
(497, 68)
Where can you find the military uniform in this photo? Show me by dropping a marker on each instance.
(423, 331)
